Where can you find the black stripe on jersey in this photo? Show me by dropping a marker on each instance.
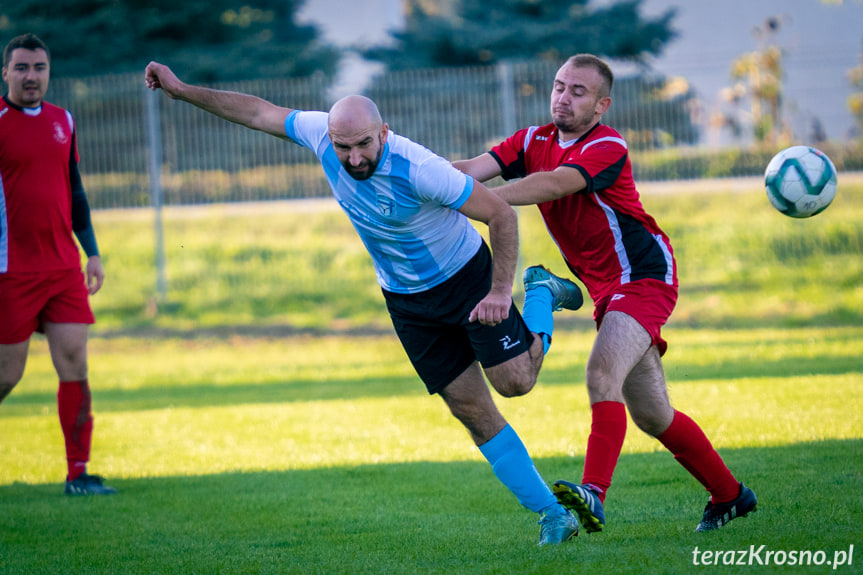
(607, 177)
(517, 169)
(646, 257)
(587, 178)
(604, 179)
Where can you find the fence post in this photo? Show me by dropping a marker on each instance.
(508, 123)
(154, 171)
(507, 97)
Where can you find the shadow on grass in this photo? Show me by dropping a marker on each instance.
(425, 517)
(204, 395)
(302, 390)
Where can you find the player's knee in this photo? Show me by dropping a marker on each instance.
(653, 424)
(514, 386)
(11, 373)
(6, 388)
(602, 386)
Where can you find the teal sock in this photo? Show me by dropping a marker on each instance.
(514, 468)
(537, 314)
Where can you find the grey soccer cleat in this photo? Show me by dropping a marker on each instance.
(566, 294)
(557, 528)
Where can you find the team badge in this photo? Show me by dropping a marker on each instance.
(60, 134)
(385, 205)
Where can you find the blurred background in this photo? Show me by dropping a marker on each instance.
(194, 214)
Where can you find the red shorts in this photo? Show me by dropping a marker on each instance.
(648, 301)
(28, 300)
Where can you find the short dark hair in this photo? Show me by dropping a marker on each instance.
(28, 42)
(591, 61)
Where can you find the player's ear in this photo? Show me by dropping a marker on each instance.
(602, 105)
(385, 130)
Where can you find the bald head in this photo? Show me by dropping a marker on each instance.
(355, 114)
(358, 135)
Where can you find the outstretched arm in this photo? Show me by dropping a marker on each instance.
(542, 187)
(244, 109)
(481, 168)
(533, 189)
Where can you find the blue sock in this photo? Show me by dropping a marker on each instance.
(536, 312)
(515, 469)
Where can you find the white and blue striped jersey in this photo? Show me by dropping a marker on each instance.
(405, 213)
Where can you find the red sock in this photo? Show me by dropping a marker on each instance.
(607, 431)
(73, 404)
(691, 448)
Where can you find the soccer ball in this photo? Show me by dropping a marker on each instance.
(800, 181)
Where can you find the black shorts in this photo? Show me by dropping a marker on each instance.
(434, 329)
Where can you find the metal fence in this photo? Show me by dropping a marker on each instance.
(457, 113)
(140, 149)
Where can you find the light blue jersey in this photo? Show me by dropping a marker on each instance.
(405, 213)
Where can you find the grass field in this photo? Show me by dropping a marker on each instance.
(311, 446)
(741, 264)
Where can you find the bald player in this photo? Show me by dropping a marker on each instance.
(449, 300)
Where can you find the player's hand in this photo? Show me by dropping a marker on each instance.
(493, 309)
(160, 76)
(95, 274)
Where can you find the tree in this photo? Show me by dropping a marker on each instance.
(758, 76)
(204, 40)
(536, 36)
(855, 100)
(479, 32)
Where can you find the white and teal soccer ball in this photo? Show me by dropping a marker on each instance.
(800, 181)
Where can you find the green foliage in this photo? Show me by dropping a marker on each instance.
(855, 100)
(692, 164)
(479, 32)
(204, 40)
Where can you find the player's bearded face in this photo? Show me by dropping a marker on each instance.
(361, 162)
(27, 76)
(575, 99)
(572, 121)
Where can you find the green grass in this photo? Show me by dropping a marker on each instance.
(325, 455)
(741, 264)
(264, 419)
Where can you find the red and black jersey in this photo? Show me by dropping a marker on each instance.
(37, 155)
(603, 232)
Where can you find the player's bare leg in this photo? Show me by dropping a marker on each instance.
(646, 395)
(67, 343)
(470, 401)
(620, 345)
(13, 359)
(518, 375)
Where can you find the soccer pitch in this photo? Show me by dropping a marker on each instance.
(323, 453)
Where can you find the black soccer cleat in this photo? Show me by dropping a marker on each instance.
(584, 502)
(88, 485)
(717, 515)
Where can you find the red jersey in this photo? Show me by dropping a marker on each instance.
(37, 149)
(603, 232)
